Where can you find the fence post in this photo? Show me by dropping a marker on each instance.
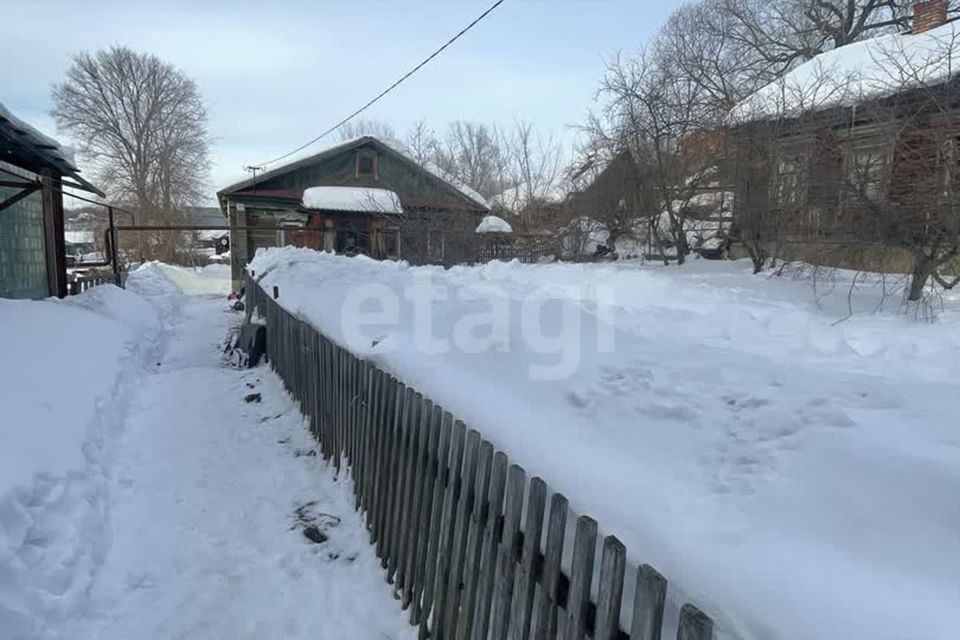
(276, 292)
(584, 548)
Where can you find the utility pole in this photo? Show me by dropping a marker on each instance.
(254, 169)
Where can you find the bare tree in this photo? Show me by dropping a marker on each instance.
(422, 142)
(472, 154)
(143, 125)
(360, 127)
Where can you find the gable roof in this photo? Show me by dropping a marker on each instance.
(395, 148)
(858, 72)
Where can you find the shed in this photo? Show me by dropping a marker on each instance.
(33, 171)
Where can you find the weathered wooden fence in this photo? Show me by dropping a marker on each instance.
(446, 510)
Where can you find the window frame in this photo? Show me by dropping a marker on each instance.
(374, 164)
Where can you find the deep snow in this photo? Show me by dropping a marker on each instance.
(791, 470)
(149, 500)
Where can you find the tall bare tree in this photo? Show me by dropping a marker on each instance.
(142, 123)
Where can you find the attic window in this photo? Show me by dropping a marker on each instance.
(366, 165)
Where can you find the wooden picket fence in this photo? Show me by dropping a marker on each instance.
(445, 509)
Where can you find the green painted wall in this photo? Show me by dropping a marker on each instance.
(23, 252)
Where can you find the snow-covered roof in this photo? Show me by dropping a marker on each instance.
(40, 149)
(494, 224)
(517, 198)
(861, 71)
(362, 199)
(396, 146)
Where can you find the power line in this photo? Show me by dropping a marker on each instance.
(388, 89)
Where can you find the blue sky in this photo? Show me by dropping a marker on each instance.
(274, 74)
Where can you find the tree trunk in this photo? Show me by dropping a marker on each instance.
(919, 276)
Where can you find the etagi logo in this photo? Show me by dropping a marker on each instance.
(550, 328)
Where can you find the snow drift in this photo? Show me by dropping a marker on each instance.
(794, 476)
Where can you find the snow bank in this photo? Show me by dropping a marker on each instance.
(494, 224)
(69, 369)
(352, 199)
(67, 372)
(770, 460)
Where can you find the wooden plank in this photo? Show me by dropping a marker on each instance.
(464, 510)
(545, 611)
(447, 522)
(436, 513)
(417, 527)
(375, 432)
(525, 584)
(471, 570)
(359, 425)
(610, 591)
(366, 436)
(581, 577)
(694, 624)
(508, 553)
(489, 547)
(382, 385)
(433, 417)
(402, 481)
(648, 602)
(412, 426)
(386, 483)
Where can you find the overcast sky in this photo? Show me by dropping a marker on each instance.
(275, 74)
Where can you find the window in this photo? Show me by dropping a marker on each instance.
(391, 242)
(790, 186)
(434, 245)
(865, 174)
(366, 165)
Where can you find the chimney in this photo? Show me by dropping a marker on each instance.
(929, 14)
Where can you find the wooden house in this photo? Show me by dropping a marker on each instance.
(851, 158)
(361, 196)
(33, 171)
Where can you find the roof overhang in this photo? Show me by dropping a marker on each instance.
(23, 146)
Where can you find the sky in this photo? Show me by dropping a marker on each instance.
(275, 74)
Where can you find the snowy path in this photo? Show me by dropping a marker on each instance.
(207, 503)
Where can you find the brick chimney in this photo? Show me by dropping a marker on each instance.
(929, 14)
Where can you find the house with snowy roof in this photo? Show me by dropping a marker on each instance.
(362, 196)
(851, 158)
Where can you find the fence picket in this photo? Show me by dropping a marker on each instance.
(436, 514)
(471, 569)
(584, 549)
(417, 530)
(694, 624)
(545, 612)
(447, 522)
(489, 547)
(458, 550)
(610, 592)
(522, 607)
(412, 428)
(648, 601)
(508, 553)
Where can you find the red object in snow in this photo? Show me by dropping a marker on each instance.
(233, 296)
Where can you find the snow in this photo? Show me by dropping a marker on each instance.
(78, 237)
(352, 199)
(860, 71)
(142, 497)
(494, 224)
(516, 199)
(770, 455)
